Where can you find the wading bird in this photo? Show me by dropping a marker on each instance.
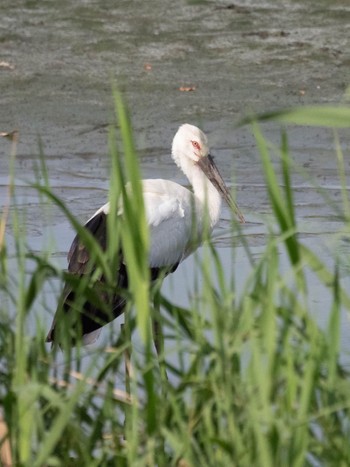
(173, 213)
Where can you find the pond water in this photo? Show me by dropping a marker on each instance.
(204, 62)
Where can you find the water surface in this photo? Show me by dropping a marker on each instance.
(57, 64)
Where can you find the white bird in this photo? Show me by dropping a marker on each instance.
(171, 211)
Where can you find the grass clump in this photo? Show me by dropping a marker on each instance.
(255, 380)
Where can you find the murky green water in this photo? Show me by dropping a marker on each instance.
(57, 63)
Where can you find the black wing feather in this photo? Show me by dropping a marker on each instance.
(78, 255)
(104, 305)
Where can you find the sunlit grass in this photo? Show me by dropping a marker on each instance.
(255, 380)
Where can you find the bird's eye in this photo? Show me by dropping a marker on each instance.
(196, 145)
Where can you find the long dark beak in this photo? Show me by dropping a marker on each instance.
(208, 166)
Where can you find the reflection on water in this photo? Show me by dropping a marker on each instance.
(237, 57)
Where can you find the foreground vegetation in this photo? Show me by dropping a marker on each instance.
(255, 380)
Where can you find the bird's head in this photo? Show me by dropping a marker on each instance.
(189, 143)
(190, 152)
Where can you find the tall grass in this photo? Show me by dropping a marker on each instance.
(255, 380)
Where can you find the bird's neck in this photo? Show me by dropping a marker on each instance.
(208, 199)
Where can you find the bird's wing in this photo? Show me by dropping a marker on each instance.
(78, 255)
(169, 216)
(168, 209)
(95, 310)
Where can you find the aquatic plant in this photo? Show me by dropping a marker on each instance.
(244, 377)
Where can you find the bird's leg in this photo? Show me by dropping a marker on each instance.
(158, 337)
(124, 327)
(128, 369)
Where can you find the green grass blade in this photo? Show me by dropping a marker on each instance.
(317, 115)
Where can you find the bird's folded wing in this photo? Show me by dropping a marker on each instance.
(170, 229)
(78, 255)
(168, 208)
